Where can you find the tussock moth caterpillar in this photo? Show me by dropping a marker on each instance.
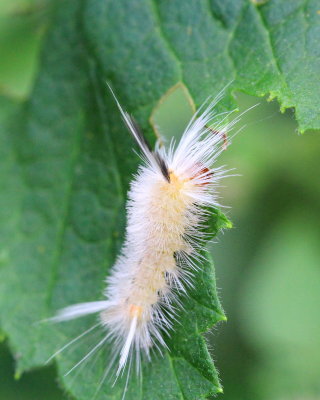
(169, 202)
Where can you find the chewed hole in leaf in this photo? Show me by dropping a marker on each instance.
(172, 113)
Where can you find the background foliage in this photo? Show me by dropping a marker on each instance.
(270, 288)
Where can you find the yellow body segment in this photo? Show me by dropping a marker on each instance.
(167, 214)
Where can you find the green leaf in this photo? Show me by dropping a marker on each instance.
(66, 162)
(148, 46)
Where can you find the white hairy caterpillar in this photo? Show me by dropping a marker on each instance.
(169, 202)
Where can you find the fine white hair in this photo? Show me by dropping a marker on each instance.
(167, 210)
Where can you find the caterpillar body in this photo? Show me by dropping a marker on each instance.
(168, 205)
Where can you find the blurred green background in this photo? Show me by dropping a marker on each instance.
(267, 267)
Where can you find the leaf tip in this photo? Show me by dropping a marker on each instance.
(220, 389)
(228, 224)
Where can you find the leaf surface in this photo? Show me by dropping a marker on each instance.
(66, 162)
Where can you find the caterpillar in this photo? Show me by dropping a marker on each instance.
(169, 202)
